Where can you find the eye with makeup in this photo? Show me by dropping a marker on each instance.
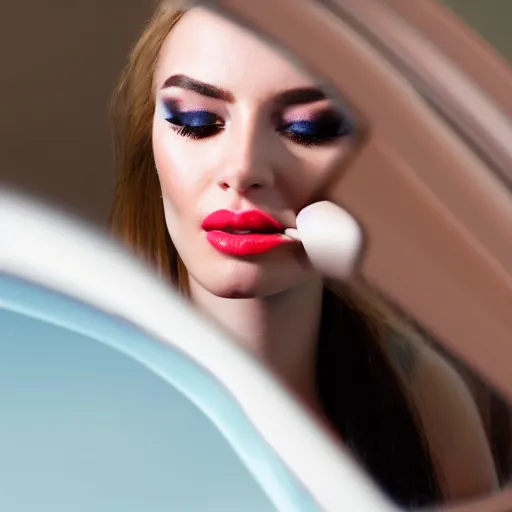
(195, 124)
(314, 130)
(319, 129)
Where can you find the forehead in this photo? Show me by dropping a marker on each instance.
(212, 49)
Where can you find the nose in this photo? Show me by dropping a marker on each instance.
(248, 164)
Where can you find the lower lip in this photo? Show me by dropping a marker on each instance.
(245, 245)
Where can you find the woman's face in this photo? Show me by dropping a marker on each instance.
(241, 133)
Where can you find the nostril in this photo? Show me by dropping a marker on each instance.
(253, 186)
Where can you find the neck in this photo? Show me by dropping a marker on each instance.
(281, 330)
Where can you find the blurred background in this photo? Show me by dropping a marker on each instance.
(60, 61)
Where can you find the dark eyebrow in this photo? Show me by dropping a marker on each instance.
(287, 98)
(300, 96)
(191, 84)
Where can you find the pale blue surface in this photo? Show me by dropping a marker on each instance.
(84, 427)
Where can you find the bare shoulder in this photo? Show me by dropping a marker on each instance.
(449, 416)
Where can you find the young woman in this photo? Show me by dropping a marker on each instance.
(220, 142)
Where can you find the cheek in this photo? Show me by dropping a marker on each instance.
(323, 160)
(177, 169)
(313, 166)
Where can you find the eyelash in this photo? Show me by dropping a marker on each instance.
(331, 128)
(334, 127)
(196, 132)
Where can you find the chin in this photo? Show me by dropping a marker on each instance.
(236, 294)
(238, 288)
(249, 281)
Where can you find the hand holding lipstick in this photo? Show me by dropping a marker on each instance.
(331, 238)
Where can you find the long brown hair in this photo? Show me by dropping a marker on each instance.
(358, 389)
(137, 215)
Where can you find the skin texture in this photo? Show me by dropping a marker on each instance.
(272, 302)
(247, 165)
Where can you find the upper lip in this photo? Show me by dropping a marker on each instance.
(245, 220)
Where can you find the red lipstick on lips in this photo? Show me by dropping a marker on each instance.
(243, 233)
